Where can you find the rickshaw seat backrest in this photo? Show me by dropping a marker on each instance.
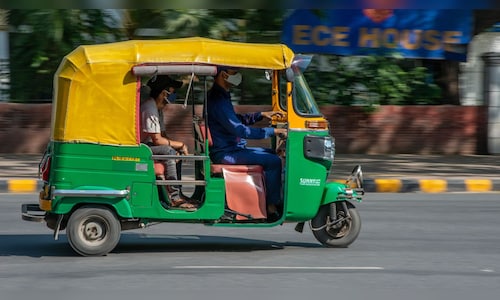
(159, 168)
(219, 168)
(245, 187)
(205, 131)
(201, 131)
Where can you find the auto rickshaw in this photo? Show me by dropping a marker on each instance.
(98, 179)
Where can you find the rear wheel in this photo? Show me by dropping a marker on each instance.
(93, 231)
(340, 230)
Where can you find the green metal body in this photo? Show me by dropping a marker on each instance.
(100, 167)
(305, 179)
(93, 167)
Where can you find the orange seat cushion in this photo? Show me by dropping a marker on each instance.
(217, 168)
(159, 168)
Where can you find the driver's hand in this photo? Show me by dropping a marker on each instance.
(271, 114)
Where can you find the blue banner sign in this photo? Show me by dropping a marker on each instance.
(430, 34)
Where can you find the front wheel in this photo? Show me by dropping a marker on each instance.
(336, 225)
(93, 231)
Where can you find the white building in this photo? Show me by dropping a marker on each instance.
(473, 88)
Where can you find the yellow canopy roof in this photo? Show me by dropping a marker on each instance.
(96, 94)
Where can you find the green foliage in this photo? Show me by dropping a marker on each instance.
(371, 80)
(42, 37)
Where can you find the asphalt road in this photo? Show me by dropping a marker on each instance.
(412, 246)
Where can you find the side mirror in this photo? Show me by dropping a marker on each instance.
(289, 74)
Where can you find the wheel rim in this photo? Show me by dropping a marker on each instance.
(339, 230)
(93, 231)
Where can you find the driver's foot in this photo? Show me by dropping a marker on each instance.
(272, 213)
(271, 208)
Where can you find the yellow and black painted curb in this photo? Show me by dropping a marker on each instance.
(20, 185)
(387, 185)
(380, 185)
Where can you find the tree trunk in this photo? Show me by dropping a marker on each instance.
(447, 79)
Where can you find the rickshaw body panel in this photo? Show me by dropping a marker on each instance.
(305, 179)
(91, 167)
(334, 191)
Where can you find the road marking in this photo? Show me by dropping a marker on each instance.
(487, 270)
(277, 268)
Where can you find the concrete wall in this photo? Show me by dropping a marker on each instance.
(25, 128)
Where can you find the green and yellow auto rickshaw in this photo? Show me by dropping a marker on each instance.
(99, 179)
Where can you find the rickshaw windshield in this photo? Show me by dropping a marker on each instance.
(304, 103)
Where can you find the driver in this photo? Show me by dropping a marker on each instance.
(229, 131)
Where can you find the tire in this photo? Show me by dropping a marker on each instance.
(93, 231)
(339, 235)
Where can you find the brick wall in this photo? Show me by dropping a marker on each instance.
(410, 129)
(25, 128)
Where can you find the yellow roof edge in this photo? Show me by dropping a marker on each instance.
(196, 50)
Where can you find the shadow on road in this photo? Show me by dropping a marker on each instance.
(34, 245)
(40, 245)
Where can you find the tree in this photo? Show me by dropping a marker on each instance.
(177, 23)
(370, 80)
(42, 37)
(133, 20)
(243, 25)
(484, 19)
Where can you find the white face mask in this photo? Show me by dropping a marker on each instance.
(234, 79)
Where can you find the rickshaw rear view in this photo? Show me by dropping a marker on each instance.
(99, 179)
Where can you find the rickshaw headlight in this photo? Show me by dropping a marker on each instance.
(319, 147)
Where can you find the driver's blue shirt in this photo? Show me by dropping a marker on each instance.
(227, 128)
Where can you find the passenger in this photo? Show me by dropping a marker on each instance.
(229, 131)
(152, 123)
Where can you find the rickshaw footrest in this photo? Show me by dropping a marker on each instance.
(32, 212)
